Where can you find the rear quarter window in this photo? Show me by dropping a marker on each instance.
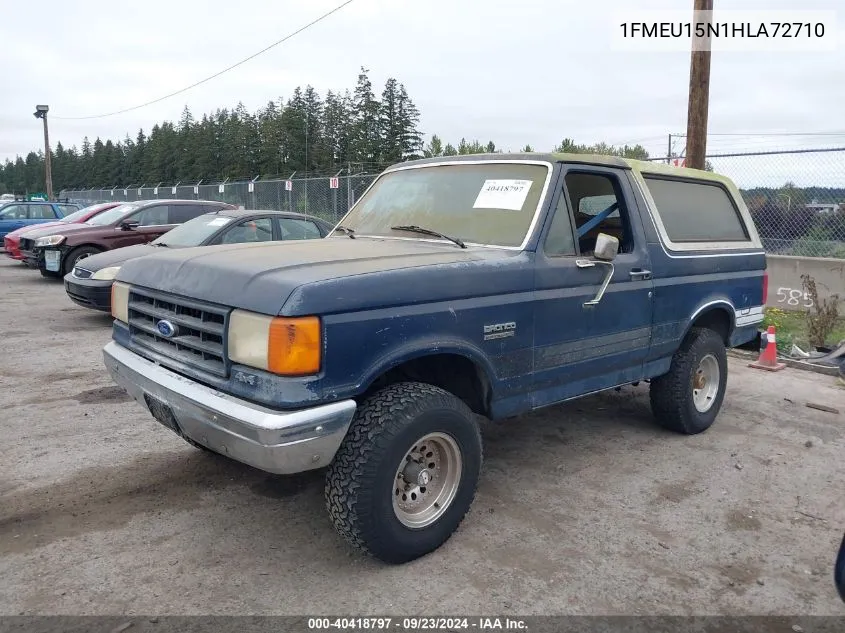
(695, 211)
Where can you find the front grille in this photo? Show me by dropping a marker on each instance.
(81, 273)
(26, 245)
(199, 340)
(79, 298)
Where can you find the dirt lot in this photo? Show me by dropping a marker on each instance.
(586, 508)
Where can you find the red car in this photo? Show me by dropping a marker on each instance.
(12, 241)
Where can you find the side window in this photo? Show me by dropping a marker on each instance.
(152, 216)
(41, 212)
(696, 211)
(67, 209)
(560, 241)
(180, 213)
(294, 229)
(260, 230)
(13, 212)
(599, 207)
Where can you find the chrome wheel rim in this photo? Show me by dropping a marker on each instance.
(705, 383)
(427, 480)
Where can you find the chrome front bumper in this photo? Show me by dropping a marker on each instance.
(275, 441)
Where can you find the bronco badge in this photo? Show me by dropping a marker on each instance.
(499, 330)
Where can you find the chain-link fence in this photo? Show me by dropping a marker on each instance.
(797, 197)
(327, 198)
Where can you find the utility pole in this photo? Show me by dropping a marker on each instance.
(699, 87)
(41, 113)
(669, 151)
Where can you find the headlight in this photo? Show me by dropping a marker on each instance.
(50, 240)
(281, 345)
(120, 301)
(106, 273)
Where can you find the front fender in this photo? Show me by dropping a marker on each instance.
(428, 345)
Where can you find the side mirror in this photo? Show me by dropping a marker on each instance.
(607, 247)
(129, 225)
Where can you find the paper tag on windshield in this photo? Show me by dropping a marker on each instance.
(219, 221)
(502, 194)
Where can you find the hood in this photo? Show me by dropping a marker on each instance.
(33, 228)
(117, 256)
(263, 277)
(64, 228)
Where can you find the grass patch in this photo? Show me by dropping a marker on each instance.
(791, 327)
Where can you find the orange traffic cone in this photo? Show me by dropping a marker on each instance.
(769, 353)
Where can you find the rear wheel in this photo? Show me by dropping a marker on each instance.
(406, 474)
(688, 398)
(77, 254)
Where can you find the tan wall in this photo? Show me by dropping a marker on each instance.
(785, 286)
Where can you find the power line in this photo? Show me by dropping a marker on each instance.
(210, 77)
(771, 134)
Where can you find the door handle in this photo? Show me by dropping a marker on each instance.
(639, 273)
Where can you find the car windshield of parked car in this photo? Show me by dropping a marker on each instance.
(112, 215)
(490, 203)
(193, 232)
(70, 218)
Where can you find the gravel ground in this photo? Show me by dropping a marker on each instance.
(585, 508)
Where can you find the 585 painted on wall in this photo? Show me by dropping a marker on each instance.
(794, 298)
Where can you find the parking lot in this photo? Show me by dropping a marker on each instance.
(584, 508)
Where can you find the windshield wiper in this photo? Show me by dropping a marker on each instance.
(162, 244)
(346, 229)
(413, 228)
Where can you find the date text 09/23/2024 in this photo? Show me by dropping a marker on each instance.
(419, 623)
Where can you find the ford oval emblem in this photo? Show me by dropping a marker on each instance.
(166, 328)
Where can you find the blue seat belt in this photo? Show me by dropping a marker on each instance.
(600, 217)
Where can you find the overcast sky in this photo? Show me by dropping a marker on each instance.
(532, 71)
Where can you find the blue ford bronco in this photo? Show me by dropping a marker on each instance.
(455, 287)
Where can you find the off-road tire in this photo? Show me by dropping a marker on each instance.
(80, 252)
(360, 480)
(672, 393)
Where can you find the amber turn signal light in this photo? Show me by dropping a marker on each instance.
(295, 347)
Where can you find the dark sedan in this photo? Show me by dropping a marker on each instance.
(89, 283)
(55, 251)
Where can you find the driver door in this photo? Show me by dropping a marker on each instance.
(584, 348)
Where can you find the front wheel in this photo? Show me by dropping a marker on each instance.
(406, 473)
(77, 254)
(688, 398)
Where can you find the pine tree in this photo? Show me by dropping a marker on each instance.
(318, 150)
(367, 140)
(270, 140)
(389, 123)
(336, 129)
(410, 138)
(294, 133)
(434, 148)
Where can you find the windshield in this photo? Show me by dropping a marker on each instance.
(193, 232)
(112, 215)
(76, 215)
(483, 203)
